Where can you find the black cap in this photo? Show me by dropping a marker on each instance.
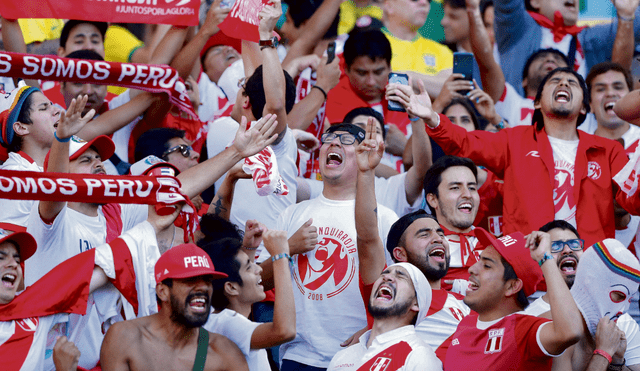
(401, 225)
(356, 130)
(101, 26)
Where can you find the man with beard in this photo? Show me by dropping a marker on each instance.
(532, 159)
(400, 298)
(416, 238)
(451, 191)
(169, 339)
(567, 249)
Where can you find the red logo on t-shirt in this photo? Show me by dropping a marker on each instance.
(329, 266)
(28, 324)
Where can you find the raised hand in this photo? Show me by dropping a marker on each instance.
(483, 103)
(250, 141)
(253, 234)
(305, 238)
(65, 355)
(454, 83)
(538, 244)
(162, 222)
(72, 121)
(215, 16)
(626, 8)
(276, 242)
(268, 17)
(370, 151)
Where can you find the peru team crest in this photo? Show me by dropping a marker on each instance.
(494, 344)
(380, 364)
(329, 268)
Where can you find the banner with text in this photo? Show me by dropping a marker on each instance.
(242, 21)
(152, 78)
(175, 12)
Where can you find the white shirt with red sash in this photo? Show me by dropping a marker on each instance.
(17, 211)
(400, 349)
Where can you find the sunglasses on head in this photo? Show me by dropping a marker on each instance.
(184, 149)
(574, 245)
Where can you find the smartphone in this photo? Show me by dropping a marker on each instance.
(463, 64)
(397, 78)
(331, 52)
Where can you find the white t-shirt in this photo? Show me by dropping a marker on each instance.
(329, 306)
(39, 326)
(564, 158)
(239, 329)
(625, 323)
(70, 234)
(515, 108)
(17, 211)
(121, 136)
(213, 98)
(221, 134)
(626, 236)
(400, 347)
(442, 320)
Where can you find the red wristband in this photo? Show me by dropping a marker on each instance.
(601, 352)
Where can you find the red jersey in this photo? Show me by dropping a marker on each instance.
(489, 215)
(510, 343)
(523, 158)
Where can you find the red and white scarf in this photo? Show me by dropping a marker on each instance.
(151, 78)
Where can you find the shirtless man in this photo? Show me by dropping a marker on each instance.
(171, 339)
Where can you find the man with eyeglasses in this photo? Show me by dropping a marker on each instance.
(169, 145)
(567, 248)
(329, 306)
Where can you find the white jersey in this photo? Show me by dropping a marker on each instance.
(70, 234)
(445, 313)
(239, 329)
(515, 108)
(391, 192)
(33, 358)
(17, 211)
(329, 306)
(631, 137)
(625, 323)
(121, 136)
(213, 98)
(628, 235)
(400, 349)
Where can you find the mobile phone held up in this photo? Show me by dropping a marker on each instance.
(331, 52)
(463, 64)
(397, 78)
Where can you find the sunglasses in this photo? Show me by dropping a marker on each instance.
(574, 245)
(345, 138)
(184, 149)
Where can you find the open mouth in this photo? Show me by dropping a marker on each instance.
(608, 107)
(568, 265)
(562, 96)
(9, 280)
(334, 158)
(466, 207)
(438, 254)
(569, 4)
(472, 287)
(385, 294)
(198, 304)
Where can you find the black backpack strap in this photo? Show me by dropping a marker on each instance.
(573, 48)
(201, 352)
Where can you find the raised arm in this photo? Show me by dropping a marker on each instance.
(420, 143)
(283, 327)
(272, 73)
(221, 203)
(71, 122)
(623, 45)
(566, 327)
(493, 81)
(188, 56)
(370, 246)
(314, 29)
(247, 142)
(14, 42)
(628, 108)
(303, 112)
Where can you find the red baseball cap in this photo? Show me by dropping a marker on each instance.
(185, 261)
(219, 38)
(102, 143)
(512, 248)
(25, 242)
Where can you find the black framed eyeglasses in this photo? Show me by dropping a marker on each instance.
(345, 138)
(184, 149)
(241, 82)
(574, 245)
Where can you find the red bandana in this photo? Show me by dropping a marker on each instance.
(467, 255)
(557, 27)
